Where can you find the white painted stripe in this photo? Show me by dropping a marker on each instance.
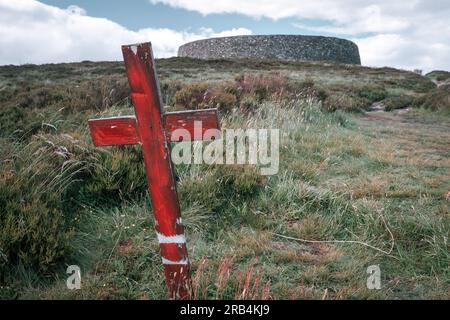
(174, 263)
(180, 239)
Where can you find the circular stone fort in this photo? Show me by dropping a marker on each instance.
(284, 47)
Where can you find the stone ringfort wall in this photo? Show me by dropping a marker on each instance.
(285, 47)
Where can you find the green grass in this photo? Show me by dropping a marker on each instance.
(380, 179)
(438, 75)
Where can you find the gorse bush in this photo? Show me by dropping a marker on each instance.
(43, 187)
(35, 232)
(117, 175)
(194, 96)
(223, 101)
(437, 99)
(398, 102)
(372, 93)
(341, 101)
(169, 89)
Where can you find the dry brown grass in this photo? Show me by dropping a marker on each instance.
(230, 281)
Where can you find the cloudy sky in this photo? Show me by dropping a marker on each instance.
(409, 34)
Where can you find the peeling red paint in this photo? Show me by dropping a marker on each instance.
(186, 120)
(124, 130)
(114, 131)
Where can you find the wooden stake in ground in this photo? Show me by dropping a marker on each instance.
(152, 128)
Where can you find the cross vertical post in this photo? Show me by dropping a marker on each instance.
(151, 128)
(145, 95)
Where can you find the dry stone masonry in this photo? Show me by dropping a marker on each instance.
(285, 47)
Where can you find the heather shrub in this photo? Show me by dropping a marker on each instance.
(398, 102)
(262, 86)
(193, 96)
(37, 215)
(223, 101)
(437, 99)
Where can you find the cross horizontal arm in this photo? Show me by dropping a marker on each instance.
(124, 130)
(208, 119)
(114, 131)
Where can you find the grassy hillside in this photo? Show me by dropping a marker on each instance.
(438, 75)
(354, 189)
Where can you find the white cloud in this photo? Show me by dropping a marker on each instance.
(402, 33)
(365, 14)
(32, 32)
(76, 10)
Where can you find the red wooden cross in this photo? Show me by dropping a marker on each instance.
(152, 128)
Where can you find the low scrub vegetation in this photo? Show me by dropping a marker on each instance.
(436, 100)
(439, 75)
(377, 187)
